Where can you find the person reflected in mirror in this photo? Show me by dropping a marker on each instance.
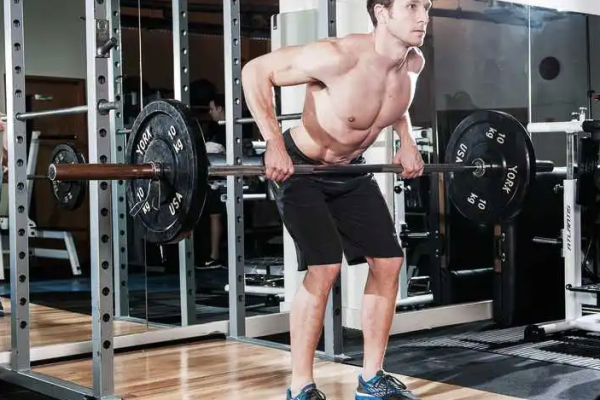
(215, 144)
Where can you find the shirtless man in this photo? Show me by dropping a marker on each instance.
(356, 86)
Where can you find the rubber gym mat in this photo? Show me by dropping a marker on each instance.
(576, 348)
(475, 365)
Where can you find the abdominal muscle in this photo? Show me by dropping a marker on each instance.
(325, 137)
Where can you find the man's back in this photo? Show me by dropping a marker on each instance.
(344, 114)
(352, 93)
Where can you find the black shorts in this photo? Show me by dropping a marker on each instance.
(329, 216)
(214, 205)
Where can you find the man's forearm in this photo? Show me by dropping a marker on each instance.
(258, 92)
(404, 130)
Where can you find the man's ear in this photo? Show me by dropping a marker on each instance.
(381, 14)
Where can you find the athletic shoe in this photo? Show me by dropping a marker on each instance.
(308, 392)
(211, 264)
(383, 387)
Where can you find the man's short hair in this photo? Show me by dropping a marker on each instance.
(371, 8)
(219, 100)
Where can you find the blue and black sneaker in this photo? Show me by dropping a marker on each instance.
(308, 392)
(383, 387)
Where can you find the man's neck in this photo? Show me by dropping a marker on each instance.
(390, 48)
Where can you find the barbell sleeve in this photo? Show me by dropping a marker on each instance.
(93, 172)
(103, 107)
(544, 166)
(51, 113)
(548, 127)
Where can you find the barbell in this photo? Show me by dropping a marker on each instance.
(489, 160)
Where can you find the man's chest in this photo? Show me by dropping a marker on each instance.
(366, 99)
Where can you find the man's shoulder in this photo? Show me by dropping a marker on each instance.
(347, 48)
(351, 43)
(416, 60)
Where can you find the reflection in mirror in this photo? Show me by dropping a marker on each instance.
(479, 62)
(130, 285)
(177, 293)
(59, 258)
(560, 73)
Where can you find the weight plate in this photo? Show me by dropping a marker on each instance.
(68, 194)
(166, 133)
(496, 138)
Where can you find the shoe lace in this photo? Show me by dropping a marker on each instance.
(389, 384)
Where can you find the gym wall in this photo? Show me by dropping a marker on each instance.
(580, 6)
(206, 56)
(489, 63)
(481, 64)
(55, 47)
(54, 40)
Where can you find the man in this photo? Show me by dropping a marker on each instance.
(215, 143)
(356, 86)
(216, 110)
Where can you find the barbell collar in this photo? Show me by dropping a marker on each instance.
(544, 166)
(97, 172)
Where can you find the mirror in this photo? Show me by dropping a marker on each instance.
(561, 68)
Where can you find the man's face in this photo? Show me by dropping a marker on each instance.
(407, 20)
(215, 111)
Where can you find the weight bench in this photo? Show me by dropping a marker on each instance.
(579, 192)
(70, 251)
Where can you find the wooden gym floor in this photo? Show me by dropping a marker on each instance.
(211, 369)
(50, 326)
(223, 369)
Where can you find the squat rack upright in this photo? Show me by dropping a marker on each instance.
(333, 332)
(99, 82)
(108, 227)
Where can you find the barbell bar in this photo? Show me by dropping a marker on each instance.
(103, 107)
(489, 166)
(250, 120)
(153, 171)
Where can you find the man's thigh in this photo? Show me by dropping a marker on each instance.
(364, 222)
(214, 205)
(305, 214)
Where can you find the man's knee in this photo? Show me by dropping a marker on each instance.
(388, 268)
(323, 275)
